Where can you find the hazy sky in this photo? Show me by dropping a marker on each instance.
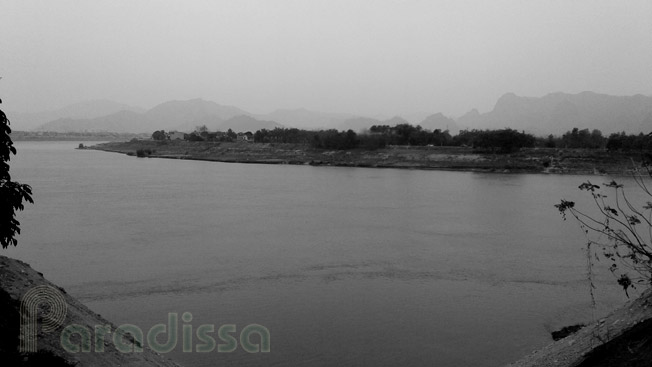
(368, 57)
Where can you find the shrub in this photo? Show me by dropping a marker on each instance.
(141, 153)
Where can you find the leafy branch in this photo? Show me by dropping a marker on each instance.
(622, 231)
(12, 194)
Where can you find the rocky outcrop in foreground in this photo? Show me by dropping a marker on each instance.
(53, 311)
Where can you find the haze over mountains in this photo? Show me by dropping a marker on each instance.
(81, 110)
(554, 113)
(557, 113)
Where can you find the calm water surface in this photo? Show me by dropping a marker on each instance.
(346, 266)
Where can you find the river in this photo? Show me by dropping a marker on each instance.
(343, 266)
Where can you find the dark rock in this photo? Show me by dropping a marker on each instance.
(566, 331)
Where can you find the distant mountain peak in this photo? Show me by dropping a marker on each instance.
(80, 110)
(472, 112)
(436, 116)
(439, 121)
(244, 123)
(559, 112)
(242, 118)
(301, 109)
(396, 120)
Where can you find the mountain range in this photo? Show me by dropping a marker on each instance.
(557, 113)
(82, 111)
(554, 113)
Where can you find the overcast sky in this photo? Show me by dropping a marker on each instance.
(360, 56)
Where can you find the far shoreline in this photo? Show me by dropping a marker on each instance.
(458, 159)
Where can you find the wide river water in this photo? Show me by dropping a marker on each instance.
(343, 266)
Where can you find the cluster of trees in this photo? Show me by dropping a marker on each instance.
(379, 136)
(212, 136)
(202, 134)
(324, 139)
(585, 139)
(497, 141)
(333, 139)
(281, 135)
(160, 135)
(406, 134)
(624, 142)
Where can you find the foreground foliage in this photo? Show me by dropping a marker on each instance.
(622, 231)
(12, 194)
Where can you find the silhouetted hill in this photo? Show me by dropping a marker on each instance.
(306, 119)
(173, 115)
(557, 113)
(396, 120)
(441, 122)
(212, 122)
(121, 122)
(77, 111)
(359, 123)
(432, 122)
(245, 123)
(469, 119)
(554, 113)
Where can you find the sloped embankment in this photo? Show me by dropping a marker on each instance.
(621, 339)
(16, 279)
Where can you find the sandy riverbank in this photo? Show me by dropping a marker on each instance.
(535, 160)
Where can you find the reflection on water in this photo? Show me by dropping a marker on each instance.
(344, 266)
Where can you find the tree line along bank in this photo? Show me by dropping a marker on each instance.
(379, 136)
